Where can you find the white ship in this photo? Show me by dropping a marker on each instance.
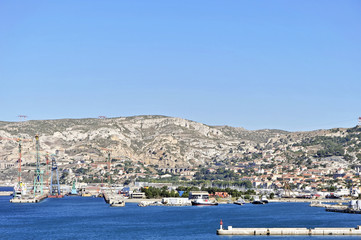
(19, 189)
(201, 199)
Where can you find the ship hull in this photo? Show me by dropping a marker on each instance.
(204, 204)
(55, 196)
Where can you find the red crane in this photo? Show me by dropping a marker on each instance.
(18, 140)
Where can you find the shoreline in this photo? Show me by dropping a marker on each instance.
(309, 200)
(292, 200)
(138, 200)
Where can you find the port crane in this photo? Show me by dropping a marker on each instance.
(38, 176)
(47, 164)
(54, 190)
(19, 141)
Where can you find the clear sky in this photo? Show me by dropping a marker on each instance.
(292, 65)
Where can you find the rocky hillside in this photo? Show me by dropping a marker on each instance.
(157, 140)
(170, 142)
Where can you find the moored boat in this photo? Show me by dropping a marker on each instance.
(118, 204)
(256, 200)
(240, 201)
(201, 198)
(203, 202)
(264, 199)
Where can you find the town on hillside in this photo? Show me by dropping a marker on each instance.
(324, 163)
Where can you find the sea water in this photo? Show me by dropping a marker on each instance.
(92, 218)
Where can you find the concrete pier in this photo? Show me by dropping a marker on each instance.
(343, 210)
(6, 193)
(158, 203)
(289, 231)
(115, 200)
(331, 206)
(29, 199)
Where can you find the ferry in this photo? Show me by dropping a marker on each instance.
(201, 199)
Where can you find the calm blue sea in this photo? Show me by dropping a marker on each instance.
(92, 218)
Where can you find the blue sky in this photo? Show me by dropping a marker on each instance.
(292, 65)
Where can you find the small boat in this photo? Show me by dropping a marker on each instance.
(240, 201)
(144, 203)
(256, 200)
(264, 199)
(118, 204)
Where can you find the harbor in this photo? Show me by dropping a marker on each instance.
(80, 215)
(29, 199)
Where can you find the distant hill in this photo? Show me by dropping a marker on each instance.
(164, 141)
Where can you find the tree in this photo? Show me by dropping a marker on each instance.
(272, 195)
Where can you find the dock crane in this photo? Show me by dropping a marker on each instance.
(47, 165)
(20, 188)
(54, 191)
(47, 169)
(38, 176)
(45, 154)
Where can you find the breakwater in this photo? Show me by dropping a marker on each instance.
(289, 231)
